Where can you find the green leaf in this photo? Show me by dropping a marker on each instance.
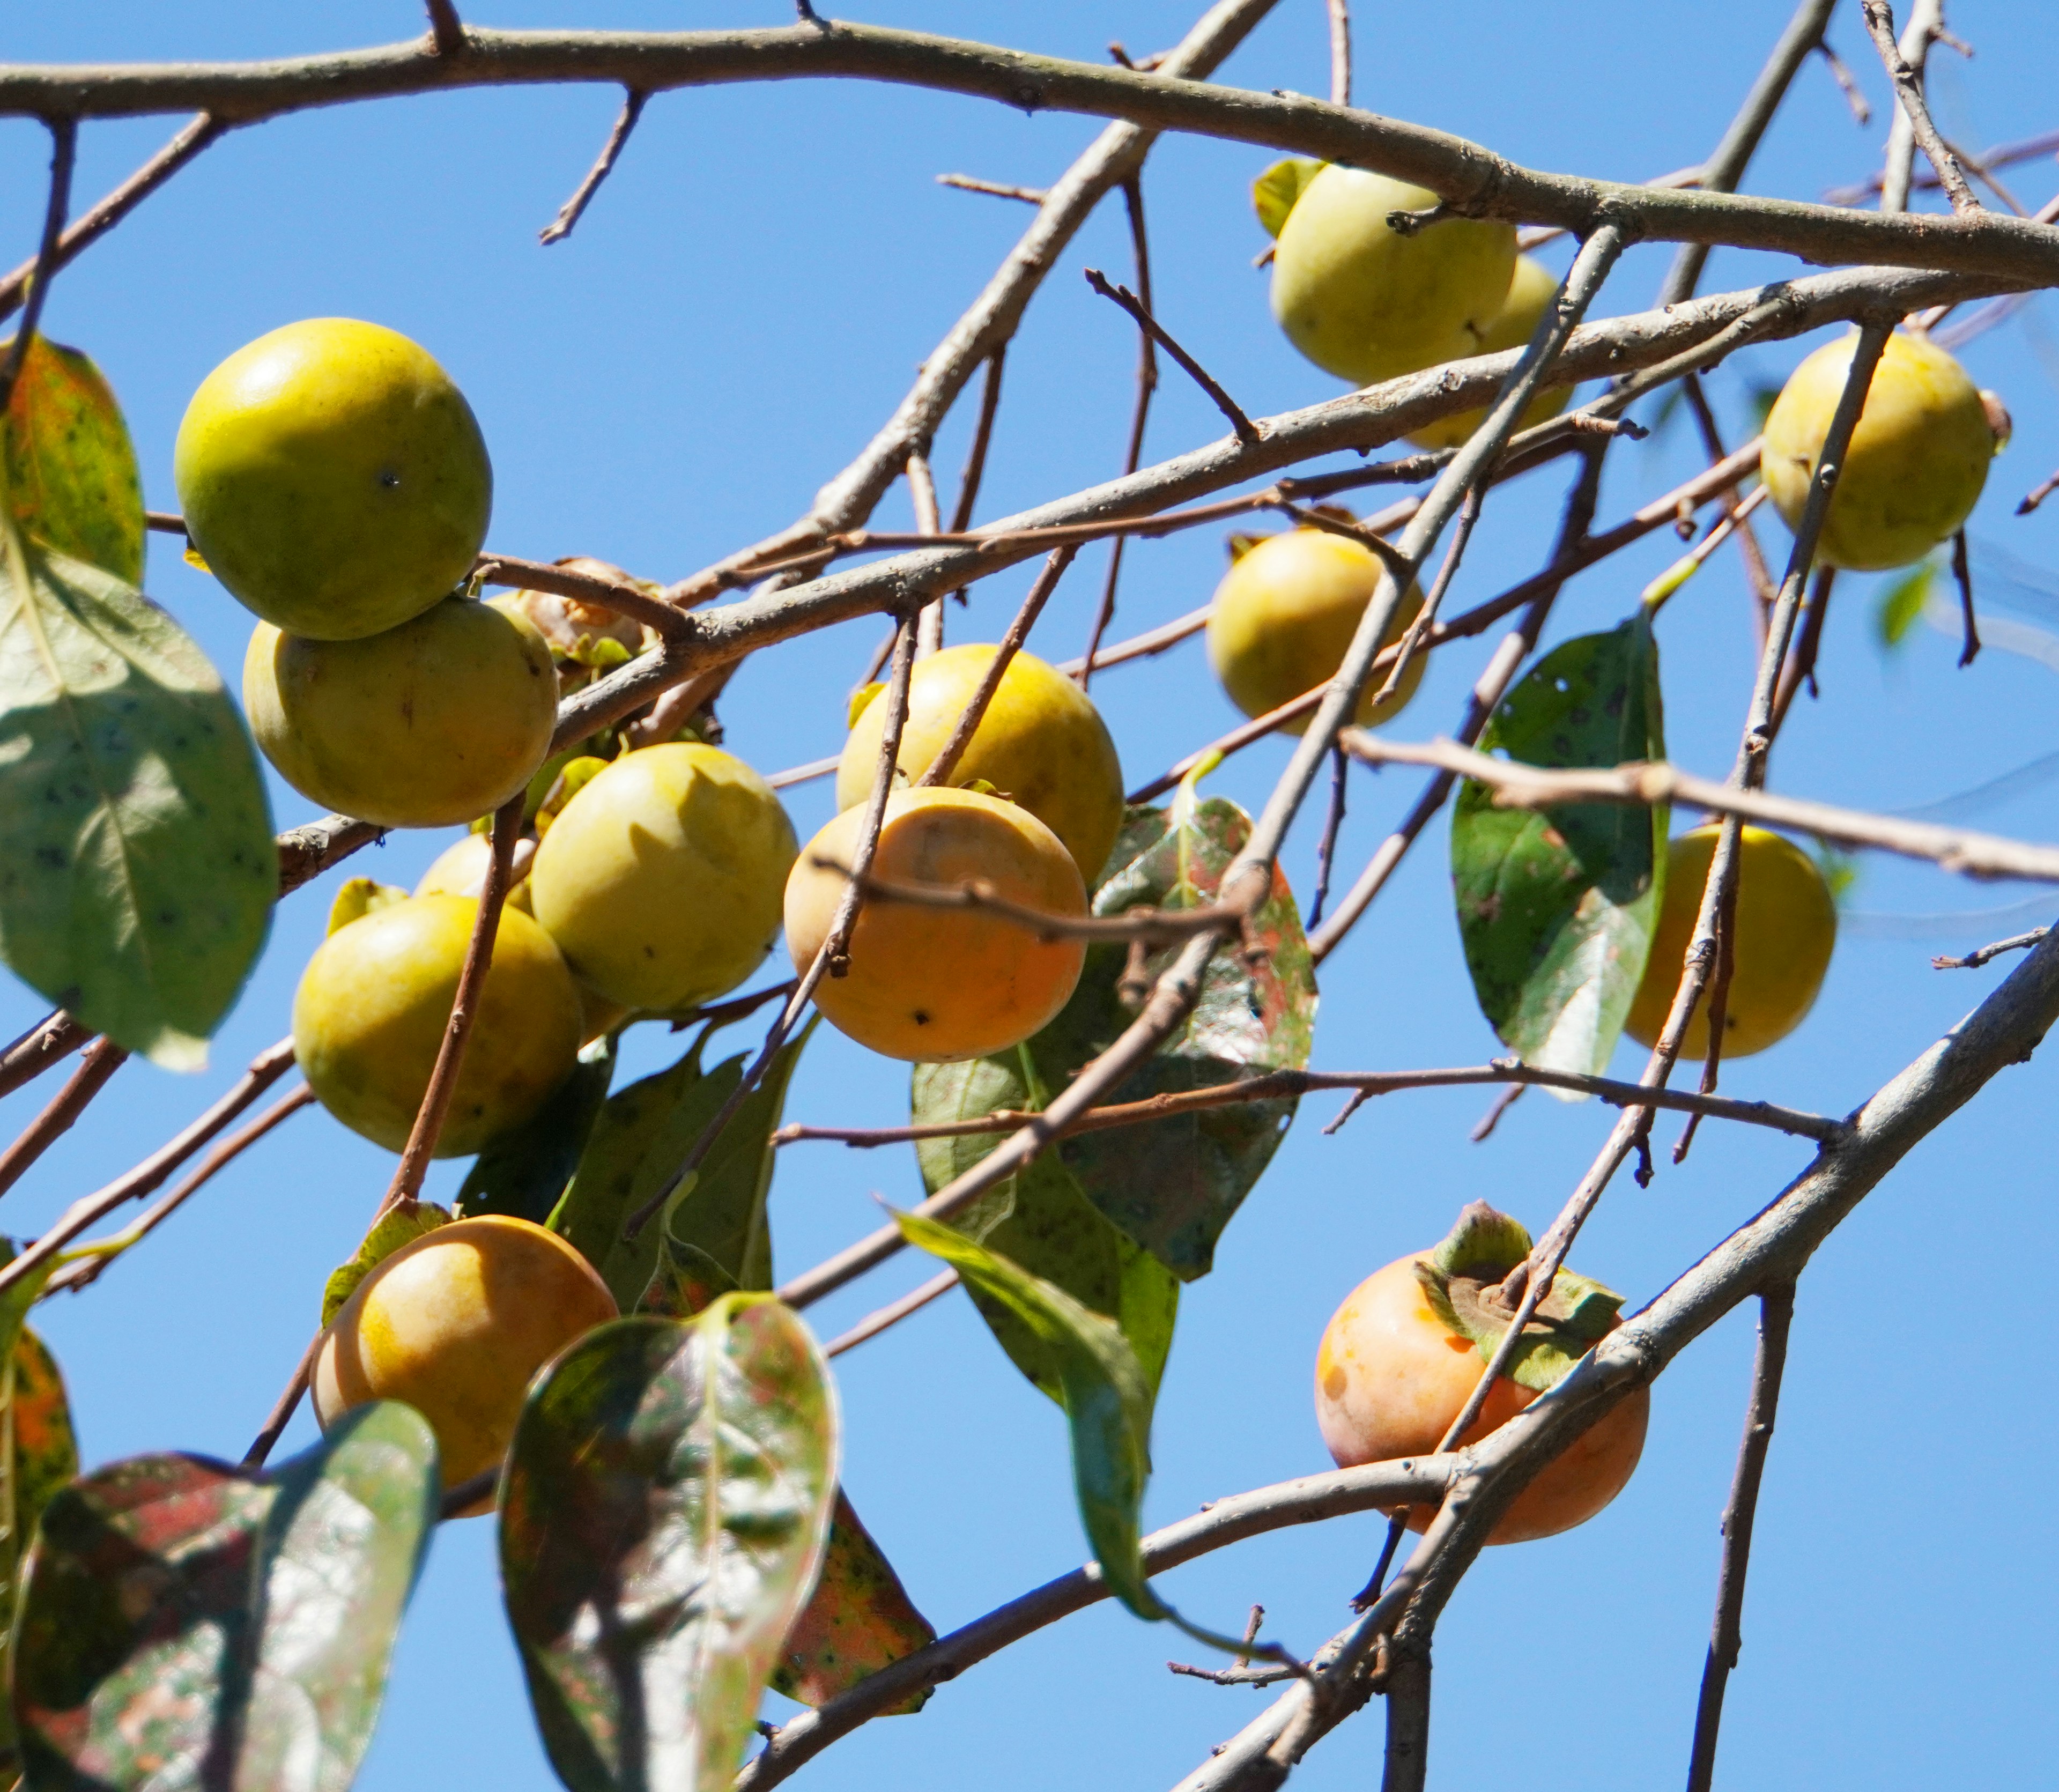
(1274, 192)
(401, 1225)
(1556, 909)
(859, 1620)
(137, 870)
(1173, 1184)
(1102, 1389)
(70, 469)
(1459, 1279)
(1900, 606)
(524, 1172)
(38, 1454)
(189, 1624)
(662, 1520)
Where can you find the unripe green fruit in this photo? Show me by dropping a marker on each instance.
(1918, 459)
(370, 1014)
(1366, 303)
(661, 880)
(1284, 615)
(1041, 744)
(1530, 292)
(439, 721)
(333, 478)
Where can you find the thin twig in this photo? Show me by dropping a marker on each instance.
(569, 213)
(1276, 1086)
(146, 1177)
(939, 770)
(446, 29)
(50, 1041)
(1980, 955)
(1776, 1314)
(64, 149)
(1483, 1127)
(618, 595)
(1147, 383)
(971, 477)
(929, 522)
(892, 1313)
(1969, 627)
(967, 183)
(414, 1164)
(1801, 667)
(1326, 847)
(1909, 90)
(91, 225)
(101, 1061)
(1340, 52)
(1862, 113)
(93, 1258)
(1246, 430)
(283, 1407)
(1153, 926)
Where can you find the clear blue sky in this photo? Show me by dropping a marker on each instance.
(744, 304)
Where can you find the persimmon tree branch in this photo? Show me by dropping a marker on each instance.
(574, 209)
(102, 1059)
(50, 1041)
(1912, 124)
(1471, 180)
(64, 152)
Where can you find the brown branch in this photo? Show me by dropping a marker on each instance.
(1969, 627)
(1340, 52)
(1862, 113)
(1145, 646)
(1801, 667)
(1326, 846)
(414, 1164)
(940, 768)
(624, 599)
(1246, 430)
(831, 957)
(307, 851)
(146, 1177)
(892, 1313)
(736, 1008)
(86, 1269)
(1275, 1085)
(966, 183)
(1908, 81)
(50, 1041)
(569, 213)
(101, 1061)
(2037, 495)
(1980, 955)
(91, 225)
(1776, 1314)
(929, 523)
(1147, 384)
(446, 29)
(974, 474)
(283, 1407)
(64, 151)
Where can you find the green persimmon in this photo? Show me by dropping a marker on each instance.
(1530, 291)
(334, 478)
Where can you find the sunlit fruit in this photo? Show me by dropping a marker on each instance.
(1366, 303)
(438, 721)
(1284, 615)
(660, 880)
(1786, 924)
(937, 985)
(455, 1324)
(333, 478)
(459, 870)
(1918, 457)
(1531, 292)
(370, 1014)
(1393, 1372)
(1041, 744)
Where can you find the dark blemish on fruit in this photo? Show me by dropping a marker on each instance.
(922, 1019)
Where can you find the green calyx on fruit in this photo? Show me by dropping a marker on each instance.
(1918, 459)
(1366, 302)
(359, 897)
(1274, 192)
(1461, 1282)
(334, 478)
(428, 724)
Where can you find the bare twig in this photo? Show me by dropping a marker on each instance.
(2037, 495)
(50, 1041)
(1904, 69)
(64, 149)
(1483, 1127)
(1969, 627)
(1801, 667)
(1980, 955)
(1246, 430)
(1776, 1314)
(892, 1313)
(929, 522)
(1147, 383)
(283, 1407)
(975, 473)
(1326, 847)
(146, 1177)
(618, 595)
(446, 29)
(1340, 52)
(414, 1164)
(939, 770)
(966, 183)
(91, 225)
(101, 1061)
(1862, 113)
(569, 213)
(90, 1259)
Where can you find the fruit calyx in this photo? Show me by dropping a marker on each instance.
(1462, 1280)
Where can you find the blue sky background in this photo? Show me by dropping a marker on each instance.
(744, 304)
